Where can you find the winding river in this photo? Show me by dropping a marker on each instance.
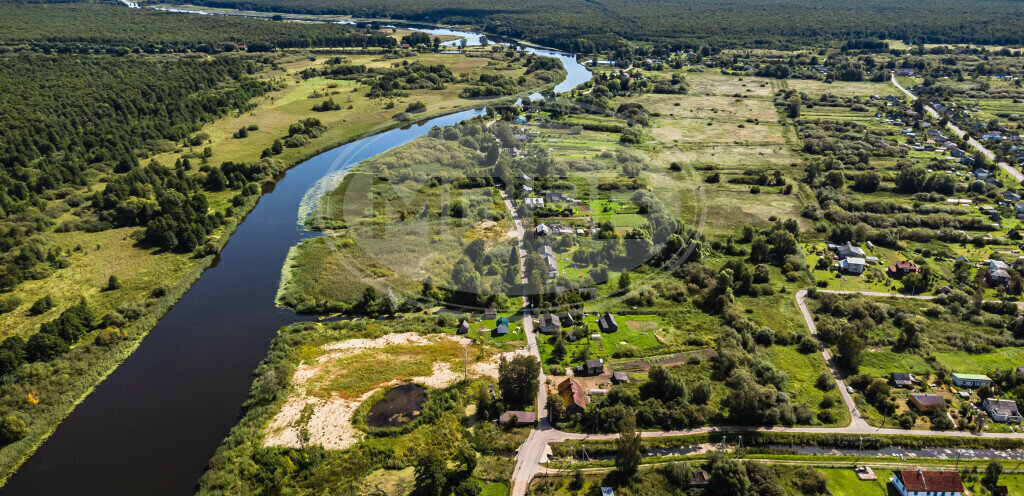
(151, 427)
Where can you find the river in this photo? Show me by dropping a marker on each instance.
(151, 427)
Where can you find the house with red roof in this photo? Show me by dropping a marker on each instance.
(571, 391)
(928, 483)
(902, 268)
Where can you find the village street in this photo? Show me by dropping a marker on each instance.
(1016, 174)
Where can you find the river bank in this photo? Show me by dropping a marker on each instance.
(210, 330)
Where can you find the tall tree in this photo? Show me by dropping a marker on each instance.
(518, 379)
(629, 452)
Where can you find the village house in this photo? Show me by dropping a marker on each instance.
(971, 380)
(607, 323)
(571, 391)
(853, 265)
(1004, 411)
(998, 277)
(542, 230)
(549, 258)
(533, 202)
(928, 483)
(521, 418)
(594, 366)
(620, 378)
(463, 327)
(901, 269)
(490, 314)
(501, 328)
(927, 402)
(550, 323)
(847, 250)
(902, 379)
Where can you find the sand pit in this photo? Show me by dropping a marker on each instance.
(328, 421)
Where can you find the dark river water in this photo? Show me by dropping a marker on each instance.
(151, 427)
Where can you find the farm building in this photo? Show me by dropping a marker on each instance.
(971, 380)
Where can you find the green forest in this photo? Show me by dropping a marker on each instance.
(586, 26)
(81, 27)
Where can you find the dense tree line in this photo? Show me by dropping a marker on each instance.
(66, 121)
(583, 26)
(86, 28)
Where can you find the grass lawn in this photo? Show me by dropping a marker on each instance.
(862, 89)
(494, 489)
(844, 482)
(884, 362)
(958, 361)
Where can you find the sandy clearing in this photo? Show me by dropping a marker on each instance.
(330, 424)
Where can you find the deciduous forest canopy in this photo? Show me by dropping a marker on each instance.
(585, 25)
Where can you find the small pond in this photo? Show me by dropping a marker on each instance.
(400, 405)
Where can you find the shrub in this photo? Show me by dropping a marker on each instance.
(12, 429)
(42, 305)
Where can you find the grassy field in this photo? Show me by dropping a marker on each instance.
(844, 482)
(884, 362)
(1004, 358)
(360, 114)
(803, 370)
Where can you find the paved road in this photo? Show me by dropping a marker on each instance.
(530, 454)
(1016, 174)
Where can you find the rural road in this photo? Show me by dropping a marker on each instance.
(1013, 172)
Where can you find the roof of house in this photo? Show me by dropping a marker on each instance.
(902, 376)
(972, 377)
(595, 363)
(522, 416)
(928, 399)
(931, 480)
(573, 392)
(502, 320)
(1002, 407)
(606, 320)
(999, 274)
(620, 376)
(700, 478)
(906, 264)
(551, 319)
